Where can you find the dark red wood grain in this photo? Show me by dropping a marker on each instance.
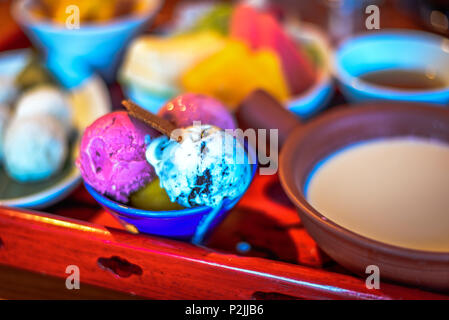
(167, 269)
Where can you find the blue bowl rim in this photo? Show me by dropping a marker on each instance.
(342, 75)
(22, 15)
(123, 209)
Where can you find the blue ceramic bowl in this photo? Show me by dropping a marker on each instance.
(305, 105)
(74, 54)
(408, 50)
(177, 224)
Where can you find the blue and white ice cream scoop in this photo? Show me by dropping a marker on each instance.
(205, 167)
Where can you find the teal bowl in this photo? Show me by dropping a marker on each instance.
(73, 55)
(392, 50)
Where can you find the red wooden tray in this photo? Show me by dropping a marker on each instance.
(283, 261)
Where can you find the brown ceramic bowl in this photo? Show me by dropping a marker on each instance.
(310, 143)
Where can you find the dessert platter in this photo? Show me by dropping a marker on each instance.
(173, 139)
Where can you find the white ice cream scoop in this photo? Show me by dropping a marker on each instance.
(45, 100)
(34, 147)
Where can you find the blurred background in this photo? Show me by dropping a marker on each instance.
(432, 15)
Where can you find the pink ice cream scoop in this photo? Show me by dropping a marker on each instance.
(112, 155)
(187, 108)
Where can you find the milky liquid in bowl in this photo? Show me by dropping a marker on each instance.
(395, 191)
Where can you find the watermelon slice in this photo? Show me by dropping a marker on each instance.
(261, 30)
(244, 25)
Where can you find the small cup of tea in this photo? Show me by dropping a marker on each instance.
(394, 65)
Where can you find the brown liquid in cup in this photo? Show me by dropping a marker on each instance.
(404, 79)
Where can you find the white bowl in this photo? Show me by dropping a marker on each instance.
(392, 49)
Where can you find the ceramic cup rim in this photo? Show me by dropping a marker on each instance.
(297, 196)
